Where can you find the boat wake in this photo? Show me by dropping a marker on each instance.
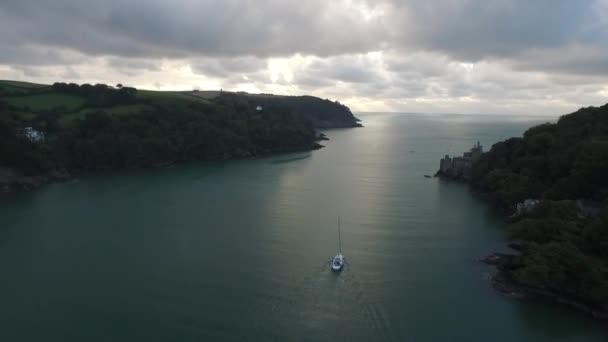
(327, 301)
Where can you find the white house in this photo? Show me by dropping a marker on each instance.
(258, 108)
(526, 206)
(33, 135)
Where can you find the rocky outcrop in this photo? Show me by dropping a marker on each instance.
(505, 284)
(12, 181)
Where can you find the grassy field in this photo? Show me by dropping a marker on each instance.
(15, 88)
(37, 98)
(29, 99)
(203, 94)
(16, 85)
(46, 101)
(169, 96)
(116, 110)
(23, 85)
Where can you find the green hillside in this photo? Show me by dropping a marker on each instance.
(30, 99)
(563, 238)
(93, 127)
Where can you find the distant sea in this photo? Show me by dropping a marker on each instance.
(240, 250)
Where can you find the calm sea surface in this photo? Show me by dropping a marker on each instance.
(240, 250)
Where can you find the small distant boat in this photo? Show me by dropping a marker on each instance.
(338, 262)
(427, 176)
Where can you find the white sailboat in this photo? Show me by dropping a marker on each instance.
(338, 262)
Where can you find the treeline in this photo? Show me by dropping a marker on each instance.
(151, 138)
(565, 160)
(154, 129)
(99, 95)
(155, 138)
(322, 113)
(564, 240)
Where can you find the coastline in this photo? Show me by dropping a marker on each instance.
(502, 281)
(506, 285)
(13, 181)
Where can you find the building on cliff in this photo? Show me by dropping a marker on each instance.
(33, 135)
(460, 167)
(526, 206)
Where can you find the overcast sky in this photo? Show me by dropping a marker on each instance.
(444, 56)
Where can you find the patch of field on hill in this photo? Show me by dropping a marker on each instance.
(46, 101)
(116, 110)
(19, 84)
(203, 94)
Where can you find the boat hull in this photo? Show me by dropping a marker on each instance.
(337, 263)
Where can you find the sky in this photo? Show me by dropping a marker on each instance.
(533, 57)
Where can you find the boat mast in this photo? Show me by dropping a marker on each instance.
(339, 237)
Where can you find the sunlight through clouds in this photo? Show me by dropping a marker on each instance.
(511, 56)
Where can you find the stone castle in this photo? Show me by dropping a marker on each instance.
(460, 167)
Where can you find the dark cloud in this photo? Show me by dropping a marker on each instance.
(126, 64)
(466, 30)
(350, 69)
(518, 30)
(180, 28)
(457, 52)
(473, 30)
(29, 71)
(577, 60)
(36, 55)
(226, 66)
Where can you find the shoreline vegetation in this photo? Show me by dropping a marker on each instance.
(552, 185)
(50, 133)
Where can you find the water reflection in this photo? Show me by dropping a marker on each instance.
(291, 158)
(240, 250)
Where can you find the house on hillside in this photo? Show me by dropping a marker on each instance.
(33, 135)
(258, 108)
(526, 206)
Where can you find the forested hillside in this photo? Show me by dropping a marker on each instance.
(93, 127)
(563, 239)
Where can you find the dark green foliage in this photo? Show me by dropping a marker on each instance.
(596, 235)
(103, 127)
(566, 248)
(169, 133)
(18, 152)
(549, 221)
(154, 138)
(99, 95)
(565, 160)
(108, 128)
(322, 113)
(563, 269)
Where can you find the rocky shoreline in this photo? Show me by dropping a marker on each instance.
(11, 181)
(505, 284)
(506, 263)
